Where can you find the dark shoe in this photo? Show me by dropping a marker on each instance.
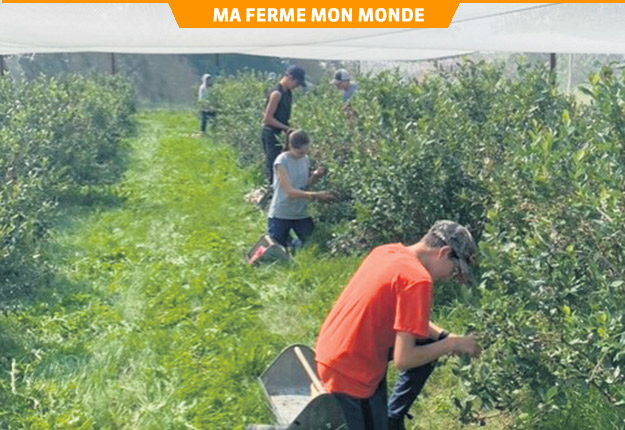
(396, 424)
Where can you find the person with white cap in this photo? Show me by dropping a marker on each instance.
(384, 314)
(343, 83)
(278, 113)
(207, 110)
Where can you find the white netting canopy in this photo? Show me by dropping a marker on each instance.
(151, 28)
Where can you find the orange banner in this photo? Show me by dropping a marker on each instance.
(280, 14)
(283, 14)
(324, 14)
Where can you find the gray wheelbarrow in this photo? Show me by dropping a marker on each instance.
(296, 395)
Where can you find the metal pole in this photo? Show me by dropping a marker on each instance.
(552, 67)
(1, 65)
(552, 62)
(568, 84)
(113, 69)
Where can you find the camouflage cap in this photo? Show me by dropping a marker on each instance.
(462, 244)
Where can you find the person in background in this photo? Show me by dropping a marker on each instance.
(207, 108)
(343, 83)
(291, 182)
(277, 114)
(384, 314)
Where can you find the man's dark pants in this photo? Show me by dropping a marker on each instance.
(272, 149)
(408, 385)
(205, 115)
(365, 414)
(374, 413)
(279, 229)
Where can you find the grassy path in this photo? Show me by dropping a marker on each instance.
(151, 321)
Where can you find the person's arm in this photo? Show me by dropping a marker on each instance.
(270, 110)
(315, 176)
(434, 331)
(294, 193)
(408, 355)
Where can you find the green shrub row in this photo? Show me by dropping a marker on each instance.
(55, 135)
(537, 176)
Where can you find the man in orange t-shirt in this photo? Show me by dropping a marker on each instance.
(384, 313)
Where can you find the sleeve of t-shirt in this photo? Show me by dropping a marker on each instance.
(280, 160)
(412, 309)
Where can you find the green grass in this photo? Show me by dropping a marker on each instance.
(151, 320)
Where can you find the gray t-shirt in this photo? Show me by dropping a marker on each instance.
(349, 92)
(283, 206)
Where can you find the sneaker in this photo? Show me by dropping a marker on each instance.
(296, 244)
(260, 251)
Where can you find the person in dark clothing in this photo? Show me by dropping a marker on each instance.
(277, 114)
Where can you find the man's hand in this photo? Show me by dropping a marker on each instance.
(324, 196)
(465, 345)
(318, 173)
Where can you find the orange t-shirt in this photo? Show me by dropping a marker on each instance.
(390, 292)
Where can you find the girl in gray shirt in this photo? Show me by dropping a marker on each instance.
(291, 180)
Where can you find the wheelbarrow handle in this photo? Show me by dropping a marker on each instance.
(311, 374)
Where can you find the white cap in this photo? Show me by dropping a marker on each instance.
(341, 75)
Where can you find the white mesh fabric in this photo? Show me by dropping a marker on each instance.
(151, 28)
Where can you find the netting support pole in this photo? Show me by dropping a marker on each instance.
(2, 67)
(552, 67)
(568, 83)
(113, 68)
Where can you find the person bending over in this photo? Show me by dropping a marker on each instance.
(292, 178)
(384, 314)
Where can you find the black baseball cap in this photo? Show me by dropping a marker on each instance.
(298, 74)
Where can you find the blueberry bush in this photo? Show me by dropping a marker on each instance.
(56, 135)
(537, 176)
